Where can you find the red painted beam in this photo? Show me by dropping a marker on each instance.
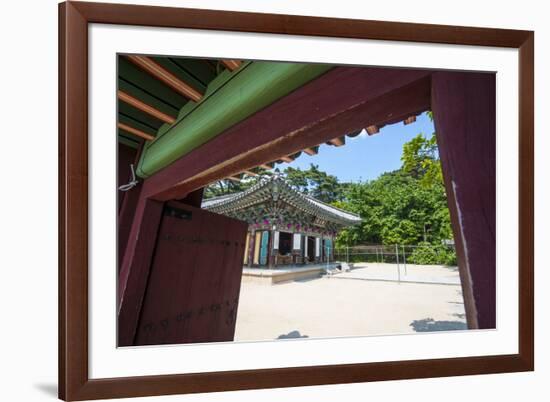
(349, 95)
(464, 106)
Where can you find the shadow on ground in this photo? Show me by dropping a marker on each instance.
(430, 325)
(452, 268)
(292, 335)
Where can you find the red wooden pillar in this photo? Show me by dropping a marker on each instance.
(464, 107)
(135, 268)
(127, 200)
(126, 156)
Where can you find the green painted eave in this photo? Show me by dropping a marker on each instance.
(229, 99)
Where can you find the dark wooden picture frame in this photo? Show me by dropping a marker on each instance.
(74, 18)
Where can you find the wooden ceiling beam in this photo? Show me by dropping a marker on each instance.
(310, 151)
(231, 65)
(371, 130)
(338, 141)
(265, 166)
(156, 70)
(250, 173)
(233, 178)
(135, 131)
(150, 110)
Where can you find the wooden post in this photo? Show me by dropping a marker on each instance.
(126, 219)
(126, 156)
(127, 200)
(251, 245)
(464, 107)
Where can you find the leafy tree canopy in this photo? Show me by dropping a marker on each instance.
(315, 183)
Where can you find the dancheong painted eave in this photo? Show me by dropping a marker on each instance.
(252, 87)
(276, 188)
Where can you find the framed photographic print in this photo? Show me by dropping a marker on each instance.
(259, 200)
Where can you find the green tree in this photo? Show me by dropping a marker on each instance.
(315, 182)
(421, 160)
(227, 186)
(407, 206)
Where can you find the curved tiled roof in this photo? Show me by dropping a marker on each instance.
(276, 187)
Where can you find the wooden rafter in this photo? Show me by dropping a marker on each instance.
(250, 173)
(150, 110)
(231, 65)
(233, 178)
(409, 120)
(310, 151)
(286, 159)
(338, 141)
(265, 166)
(135, 131)
(372, 130)
(156, 70)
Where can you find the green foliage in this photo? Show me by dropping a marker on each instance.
(224, 187)
(407, 206)
(315, 183)
(312, 181)
(421, 160)
(427, 254)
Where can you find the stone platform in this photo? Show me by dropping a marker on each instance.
(284, 274)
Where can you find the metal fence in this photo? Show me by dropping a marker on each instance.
(398, 254)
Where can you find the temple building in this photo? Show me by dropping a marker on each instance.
(285, 226)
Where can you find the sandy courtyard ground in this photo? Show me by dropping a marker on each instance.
(365, 301)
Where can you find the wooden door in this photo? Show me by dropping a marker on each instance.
(192, 293)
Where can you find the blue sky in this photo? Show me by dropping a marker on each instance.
(365, 157)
